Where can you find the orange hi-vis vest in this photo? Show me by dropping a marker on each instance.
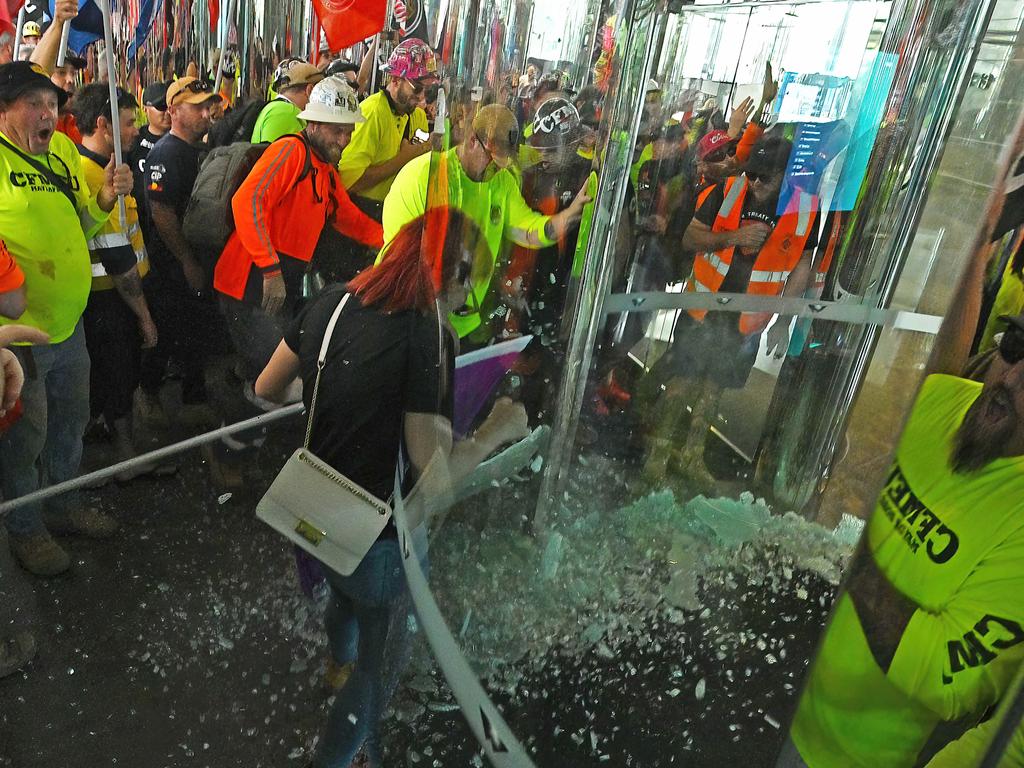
(777, 258)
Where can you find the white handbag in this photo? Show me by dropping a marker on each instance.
(316, 507)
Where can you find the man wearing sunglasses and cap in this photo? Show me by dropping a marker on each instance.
(158, 123)
(475, 178)
(47, 216)
(929, 633)
(178, 287)
(745, 241)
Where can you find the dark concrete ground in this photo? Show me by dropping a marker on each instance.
(185, 641)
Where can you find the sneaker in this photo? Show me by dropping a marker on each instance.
(150, 411)
(337, 674)
(16, 652)
(83, 522)
(226, 476)
(39, 554)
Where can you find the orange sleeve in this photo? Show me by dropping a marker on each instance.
(274, 174)
(11, 276)
(747, 141)
(352, 222)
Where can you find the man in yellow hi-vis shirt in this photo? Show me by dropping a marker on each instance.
(930, 630)
(46, 215)
(475, 178)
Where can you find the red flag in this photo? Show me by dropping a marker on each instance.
(214, 15)
(9, 15)
(347, 22)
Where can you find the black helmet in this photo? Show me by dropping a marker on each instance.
(556, 124)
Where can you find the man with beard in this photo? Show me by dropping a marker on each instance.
(177, 290)
(387, 138)
(750, 236)
(930, 631)
(279, 212)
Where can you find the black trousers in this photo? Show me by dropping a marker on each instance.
(112, 337)
(189, 328)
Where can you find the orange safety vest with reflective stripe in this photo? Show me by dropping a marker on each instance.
(778, 256)
(821, 272)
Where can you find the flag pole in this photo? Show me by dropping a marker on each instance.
(65, 35)
(115, 112)
(18, 31)
(225, 27)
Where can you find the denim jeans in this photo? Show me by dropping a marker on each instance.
(46, 442)
(366, 621)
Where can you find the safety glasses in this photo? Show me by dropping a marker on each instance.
(721, 155)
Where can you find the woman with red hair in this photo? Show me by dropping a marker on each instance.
(385, 388)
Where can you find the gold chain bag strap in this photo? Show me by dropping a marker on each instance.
(316, 507)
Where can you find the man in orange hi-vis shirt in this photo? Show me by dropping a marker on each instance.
(280, 210)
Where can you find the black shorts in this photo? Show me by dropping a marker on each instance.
(713, 349)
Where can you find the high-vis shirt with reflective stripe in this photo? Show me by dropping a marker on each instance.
(47, 236)
(111, 240)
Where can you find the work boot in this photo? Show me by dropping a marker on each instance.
(39, 554)
(150, 410)
(225, 475)
(85, 521)
(124, 445)
(337, 674)
(15, 652)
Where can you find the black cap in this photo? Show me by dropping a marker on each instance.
(769, 156)
(20, 76)
(70, 60)
(155, 95)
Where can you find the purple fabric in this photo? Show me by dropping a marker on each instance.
(310, 573)
(476, 380)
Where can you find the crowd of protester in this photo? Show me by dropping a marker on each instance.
(348, 198)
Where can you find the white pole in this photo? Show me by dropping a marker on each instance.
(65, 35)
(224, 29)
(18, 31)
(115, 111)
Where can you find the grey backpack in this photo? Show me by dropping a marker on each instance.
(208, 221)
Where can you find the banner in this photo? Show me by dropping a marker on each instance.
(347, 22)
(149, 10)
(86, 28)
(9, 15)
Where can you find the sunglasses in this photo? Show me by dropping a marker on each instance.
(196, 86)
(721, 155)
(764, 178)
(1011, 346)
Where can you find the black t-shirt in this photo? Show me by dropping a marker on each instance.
(379, 367)
(137, 156)
(171, 170)
(738, 277)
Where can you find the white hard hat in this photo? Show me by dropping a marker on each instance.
(333, 101)
(653, 86)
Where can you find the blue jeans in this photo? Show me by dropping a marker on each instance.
(45, 444)
(366, 621)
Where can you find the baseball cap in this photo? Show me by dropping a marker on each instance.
(769, 156)
(333, 100)
(496, 126)
(190, 90)
(711, 142)
(298, 73)
(17, 77)
(155, 95)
